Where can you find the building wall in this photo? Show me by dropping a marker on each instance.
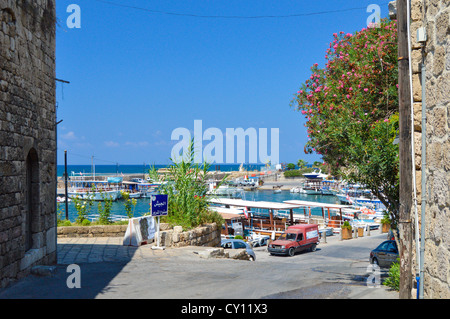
(27, 137)
(435, 16)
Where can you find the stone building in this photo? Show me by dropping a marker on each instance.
(27, 137)
(434, 16)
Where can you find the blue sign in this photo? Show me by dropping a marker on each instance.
(159, 204)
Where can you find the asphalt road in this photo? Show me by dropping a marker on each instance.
(336, 270)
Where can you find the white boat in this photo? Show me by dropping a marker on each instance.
(62, 199)
(316, 175)
(295, 190)
(93, 190)
(94, 195)
(226, 191)
(310, 191)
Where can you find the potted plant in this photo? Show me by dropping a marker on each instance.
(385, 224)
(361, 231)
(346, 230)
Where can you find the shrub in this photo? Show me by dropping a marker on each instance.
(346, 225)
(83, 208)
(128, 204)
(393, 281)
(290, 166)
(104, 210)
(186, 186)
(64, 223)
(292, 173)
(86, 222)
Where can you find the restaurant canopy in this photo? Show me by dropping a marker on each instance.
(253, 204)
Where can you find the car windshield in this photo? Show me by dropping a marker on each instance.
(288, 236)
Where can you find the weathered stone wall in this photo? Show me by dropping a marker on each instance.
(434, 16)
(27, 137)
(92, 231)
(207, 235)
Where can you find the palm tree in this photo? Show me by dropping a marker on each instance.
(301, 163)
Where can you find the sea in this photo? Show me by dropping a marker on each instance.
(143, 169)
(143, 204)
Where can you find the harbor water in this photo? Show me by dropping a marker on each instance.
(143, 204)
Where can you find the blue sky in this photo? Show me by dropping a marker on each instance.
(135, 76)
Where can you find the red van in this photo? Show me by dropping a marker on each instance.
(296, 238)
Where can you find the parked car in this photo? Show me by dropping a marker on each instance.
(385, 254)
(246, 182)
(260, 241)
(295, 239)
(238, 244)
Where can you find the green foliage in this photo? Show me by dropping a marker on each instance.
(83, 208)
(104, 210)
(59, 213)
(385, 219)
(346, 225)
(86, 222)
(290, 166)
(64, 222)
(297, 172)
(238, 237)
(301, 164)
(186, 186)
(130, 204)
(393, 280)
(351, 110)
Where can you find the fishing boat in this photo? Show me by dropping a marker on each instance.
(94, 194)
(361, 198)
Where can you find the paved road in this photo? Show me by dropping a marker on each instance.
(337, 269)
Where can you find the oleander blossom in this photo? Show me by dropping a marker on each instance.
(351, 103)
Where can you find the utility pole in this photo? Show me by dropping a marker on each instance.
(405, 149)
(65, 185)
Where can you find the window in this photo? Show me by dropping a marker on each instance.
(227, 245)
(238, 244)
(392, 247)
(383, 246)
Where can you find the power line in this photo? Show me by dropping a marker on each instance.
(90, 157)
(296, 15)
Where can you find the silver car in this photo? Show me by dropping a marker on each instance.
(238, 244)
(385, 254)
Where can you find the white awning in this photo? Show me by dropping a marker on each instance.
(253, 204)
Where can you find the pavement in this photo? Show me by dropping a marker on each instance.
(108, 270)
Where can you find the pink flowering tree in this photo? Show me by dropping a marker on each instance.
(351, 108)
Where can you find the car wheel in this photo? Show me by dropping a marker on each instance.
(374, 261)
(251, 258)
(291, 252)
(313, 248)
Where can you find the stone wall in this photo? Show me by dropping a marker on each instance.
(434, 15)
(27, 137)
(206, 235)
(92, 231)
